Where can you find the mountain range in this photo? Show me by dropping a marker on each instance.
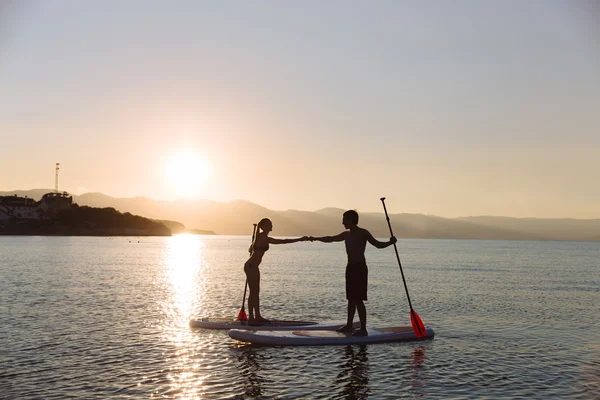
(237, 218)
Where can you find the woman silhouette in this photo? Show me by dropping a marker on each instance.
(257, 251)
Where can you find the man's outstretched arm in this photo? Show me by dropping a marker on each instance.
(329, 239)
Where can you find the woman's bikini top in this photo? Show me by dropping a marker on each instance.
(262, 248)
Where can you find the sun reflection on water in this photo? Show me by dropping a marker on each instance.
(184, 276)
(184, 262)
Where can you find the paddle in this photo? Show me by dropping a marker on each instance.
(415, 320)
(242, 314)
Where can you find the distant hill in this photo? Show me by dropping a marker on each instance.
(545, 229)
(35, 194)
(237, 217)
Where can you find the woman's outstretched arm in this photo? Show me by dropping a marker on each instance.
(286, 241)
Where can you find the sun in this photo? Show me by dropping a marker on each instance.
(186, 174)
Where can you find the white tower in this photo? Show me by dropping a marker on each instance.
(56, 179)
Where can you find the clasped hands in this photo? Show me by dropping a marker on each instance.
(312, 239)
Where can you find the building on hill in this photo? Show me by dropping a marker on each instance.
(14, 208)
(53, 202)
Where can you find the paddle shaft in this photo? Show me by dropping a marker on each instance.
(396, 249)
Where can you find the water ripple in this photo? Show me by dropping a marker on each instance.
(106, 318)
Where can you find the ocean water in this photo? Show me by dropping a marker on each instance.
(92, 317)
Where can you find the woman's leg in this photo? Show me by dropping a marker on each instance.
(253, 275)
(255, 292)
(258, 316)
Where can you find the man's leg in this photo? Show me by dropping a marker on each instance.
(362, 314)
(351, 310)
(360, 305)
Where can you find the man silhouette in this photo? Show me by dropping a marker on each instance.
(356, 239)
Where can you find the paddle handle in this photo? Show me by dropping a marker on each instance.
(396, 249)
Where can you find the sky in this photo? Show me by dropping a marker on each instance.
(453, 109)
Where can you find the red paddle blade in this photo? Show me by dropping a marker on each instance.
(417, 324)
(242, 315)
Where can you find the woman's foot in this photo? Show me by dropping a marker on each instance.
(361, 332)
(345, 329)
(263, 320)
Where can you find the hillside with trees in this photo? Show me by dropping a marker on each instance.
(89, 221)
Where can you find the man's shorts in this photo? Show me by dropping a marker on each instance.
(356, 281)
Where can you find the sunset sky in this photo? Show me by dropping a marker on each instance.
(451, 108)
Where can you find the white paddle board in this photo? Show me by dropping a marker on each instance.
(305, 337)
(234, 323)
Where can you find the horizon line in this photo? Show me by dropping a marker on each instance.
(293, 209)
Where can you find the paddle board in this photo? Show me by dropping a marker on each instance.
(314, 338)
(234, 323)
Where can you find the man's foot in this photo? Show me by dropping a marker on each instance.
(361, 332)
(254, 322)
(264, 320)
(345, 329)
